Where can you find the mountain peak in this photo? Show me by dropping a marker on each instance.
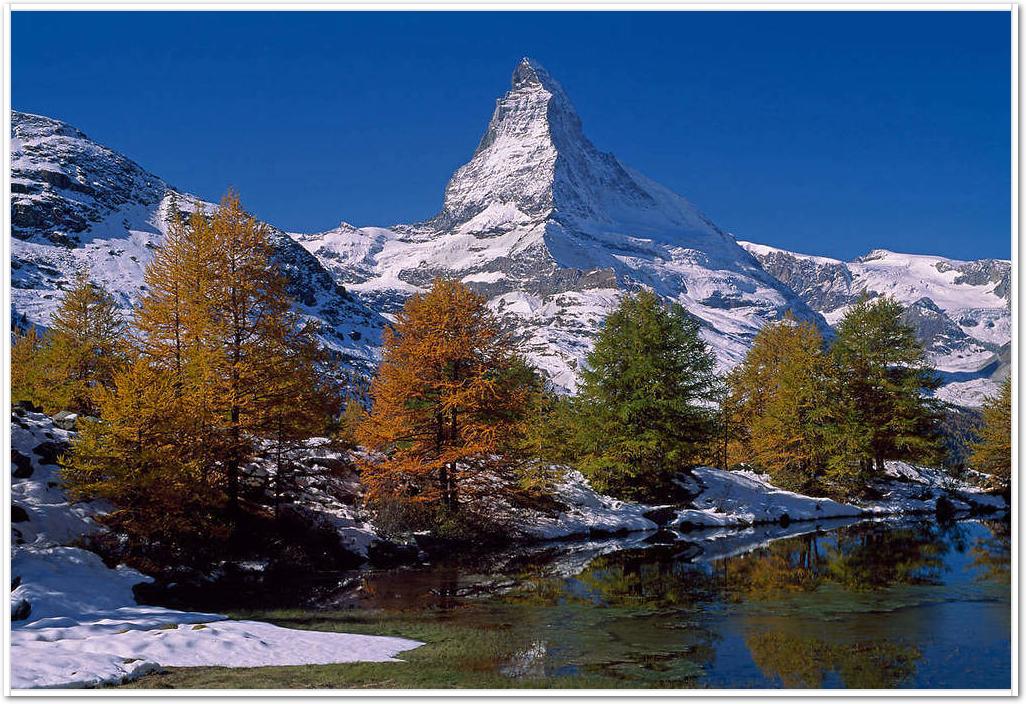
(535, 164)
(531, 73)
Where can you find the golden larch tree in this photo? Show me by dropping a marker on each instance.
(776, 404)
(82, 349)
(993, 452)
(448, 403)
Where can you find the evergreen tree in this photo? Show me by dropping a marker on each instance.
(777, 402)
(646, 405)
(83, 348)
(880, 383)
(448, 404)
(993, 453)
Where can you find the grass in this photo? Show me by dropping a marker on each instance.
(458, 652)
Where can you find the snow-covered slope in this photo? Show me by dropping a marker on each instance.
(552, 231)
(79, 205)
(959, 309)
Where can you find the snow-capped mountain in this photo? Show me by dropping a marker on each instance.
(550, 229)
(553, 231)
(961, 310)
(77, 205)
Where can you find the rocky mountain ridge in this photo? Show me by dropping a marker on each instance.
(960, 310)
(549, 228)
(552, 231)
(77, 205)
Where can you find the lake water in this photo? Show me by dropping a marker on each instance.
(858, 605)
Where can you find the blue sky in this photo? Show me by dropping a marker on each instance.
(830, 133)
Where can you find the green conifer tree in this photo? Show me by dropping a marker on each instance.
(880, 387)
(646, 405)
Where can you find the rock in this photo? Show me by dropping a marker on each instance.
(18, 514)
(28, 406)
(662, 537)
(20, 609)
(385, 553)
(22, 465)
(49, 451)
(331, 464)
(66, 420)
(945, 510)
(661, 516)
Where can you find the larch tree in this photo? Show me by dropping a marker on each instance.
(137, 455)
(83, 348)
(161, 318)
(880, 384)
(223, 371)
(235, 313)
(646, 407)
(993, 452)
(777, 403)
(448, 403)
(26, 365)
(297, 400)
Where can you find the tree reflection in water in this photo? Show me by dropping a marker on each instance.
(801, 662)
(804, 611)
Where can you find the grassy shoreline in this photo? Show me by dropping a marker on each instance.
(455, 654)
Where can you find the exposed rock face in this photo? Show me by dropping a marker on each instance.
(941, 337)
(824, 285)
(79, 205)
(62, 183)
(553, 231)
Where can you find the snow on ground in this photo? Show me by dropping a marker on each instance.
(746, 498)
(913, 489)
(75, 621)
(735, 500)
(324, 474)
(587, 512)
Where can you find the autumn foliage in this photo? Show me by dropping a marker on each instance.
(449, 403)
(220, 370)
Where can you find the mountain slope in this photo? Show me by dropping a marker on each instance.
(961, 310)
(79, 205)
(553, 231)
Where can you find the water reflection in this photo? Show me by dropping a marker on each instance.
(797, 661)
(868, 606)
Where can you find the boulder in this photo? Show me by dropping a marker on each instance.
(662, 515)
(330, 464)
(20, 609)
(945, 510)
(66, 420)
(49, 451)
(21, 465)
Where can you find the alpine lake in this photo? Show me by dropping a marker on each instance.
(842, 604)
